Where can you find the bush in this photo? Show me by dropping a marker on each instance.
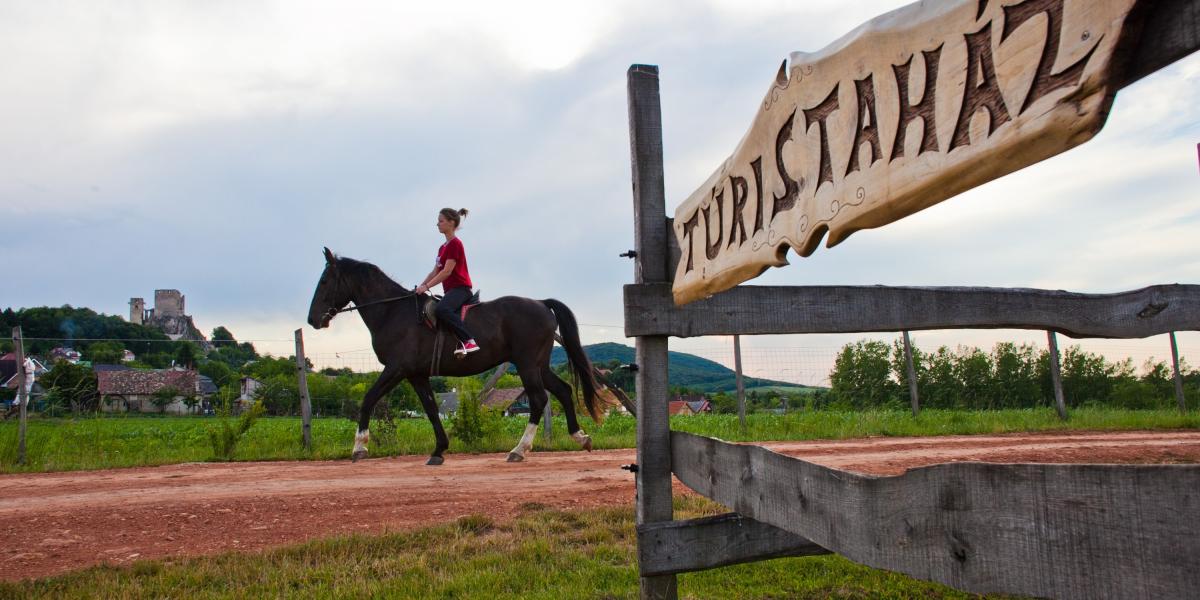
(165, 397)
(473, 422)
(225, 437)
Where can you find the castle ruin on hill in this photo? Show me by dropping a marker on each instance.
(168, 315)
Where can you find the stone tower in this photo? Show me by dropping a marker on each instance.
(168, 303)
(137, 310)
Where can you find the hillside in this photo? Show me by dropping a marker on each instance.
(683, 370)
(47, 327)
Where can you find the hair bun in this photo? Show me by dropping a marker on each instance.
(462, 212)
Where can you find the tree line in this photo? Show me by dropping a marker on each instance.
(874, 374)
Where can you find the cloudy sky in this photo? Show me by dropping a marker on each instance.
(216, 147)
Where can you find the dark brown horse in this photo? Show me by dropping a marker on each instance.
(508, 329)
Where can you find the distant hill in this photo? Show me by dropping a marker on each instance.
(48, 327)
(684, 370)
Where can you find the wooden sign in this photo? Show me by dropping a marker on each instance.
(910, 109)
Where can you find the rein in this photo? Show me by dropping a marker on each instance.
(334, 311)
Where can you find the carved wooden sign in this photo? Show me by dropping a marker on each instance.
(910, 109)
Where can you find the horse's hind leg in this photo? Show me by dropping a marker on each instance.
(537, 404)
(562, 391)
(425, 393)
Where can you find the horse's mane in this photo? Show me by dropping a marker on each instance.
(365, 271)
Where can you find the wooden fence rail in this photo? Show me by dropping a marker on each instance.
(744, 310)
(1063, 531)
(672, 547)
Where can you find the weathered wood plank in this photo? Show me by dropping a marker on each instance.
(1170, 31)
(723, 540)
(1062, 531)
(649, 197)
(746, 310)
(910, 109)
(649, 209)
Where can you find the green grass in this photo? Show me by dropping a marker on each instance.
(541, 554)
(106, 442)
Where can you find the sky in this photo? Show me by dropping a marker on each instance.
(216, 147)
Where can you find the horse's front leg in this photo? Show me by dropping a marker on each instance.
(387, 380)
(429, 403)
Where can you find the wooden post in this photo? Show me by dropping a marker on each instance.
(912, 375)
(650, 237)
(305, 404)
(22, 397)
(1056, 377)
(741, 388)
(547, 419)
(1178, 377)
(492, 380)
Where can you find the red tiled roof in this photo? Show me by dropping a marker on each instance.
(502, 398)
(679, 407)
(144, 382)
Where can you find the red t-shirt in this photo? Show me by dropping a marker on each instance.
(453, 250)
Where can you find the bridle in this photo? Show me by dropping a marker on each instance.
(332, 312)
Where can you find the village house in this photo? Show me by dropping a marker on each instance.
(689, 404)
(68, 354)
(135, 390)
(447, 403)
(248, 391)
(512, 401)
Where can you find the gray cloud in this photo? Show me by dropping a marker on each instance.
(217, 153)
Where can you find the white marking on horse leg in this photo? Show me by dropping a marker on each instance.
(583, 439)
(526, 442)
(360, 440)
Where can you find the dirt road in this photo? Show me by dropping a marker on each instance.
(51, 523)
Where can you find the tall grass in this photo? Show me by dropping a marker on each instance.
(105, 442)
(540, 554)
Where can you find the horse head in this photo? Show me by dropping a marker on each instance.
(331, 295)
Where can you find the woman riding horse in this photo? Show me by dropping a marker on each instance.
(508, 329)
(450, 270)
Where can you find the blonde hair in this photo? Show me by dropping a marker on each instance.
(455, 216)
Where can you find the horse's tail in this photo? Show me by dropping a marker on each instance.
(575, 355)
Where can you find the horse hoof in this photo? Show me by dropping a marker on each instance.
(358, 455)
(587, 444)
(514, 457)
(435, 460)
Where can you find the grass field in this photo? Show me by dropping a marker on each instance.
(541, 554)
(106, 442)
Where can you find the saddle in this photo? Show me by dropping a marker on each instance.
(430, 318)
(430, 305)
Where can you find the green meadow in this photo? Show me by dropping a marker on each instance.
(107, 442)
